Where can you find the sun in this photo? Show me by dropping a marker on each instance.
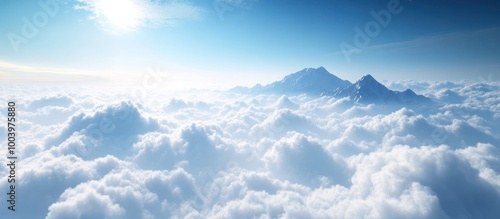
(121, 14)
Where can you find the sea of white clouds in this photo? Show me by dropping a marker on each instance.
(104, 152)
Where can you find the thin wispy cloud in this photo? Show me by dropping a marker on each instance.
(243, 4)
(30, 73)
(479, 37)
(130, 15)
(453, 37)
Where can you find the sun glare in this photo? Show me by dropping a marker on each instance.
(124, 14)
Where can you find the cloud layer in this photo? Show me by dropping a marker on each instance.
(224, 155)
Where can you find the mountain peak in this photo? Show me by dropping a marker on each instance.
(319, 70)
(369, 90)
(367, 77)
(368, 82)
(308, 80)
(318, 81)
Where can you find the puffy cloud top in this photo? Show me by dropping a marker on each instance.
(220, 155)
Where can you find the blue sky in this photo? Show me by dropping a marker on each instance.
(223, 43)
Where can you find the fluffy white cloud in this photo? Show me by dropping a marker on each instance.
(61, 101)
(224, 155)
(87, 205)
(305, 161)
(110, 130)
(127, 193)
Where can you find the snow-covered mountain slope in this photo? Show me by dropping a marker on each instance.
(369, 90)
(320, 82)
(313, 81)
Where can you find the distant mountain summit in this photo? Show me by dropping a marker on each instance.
(309, 80)
(318, 81)
(313, 81)
(369, 90)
